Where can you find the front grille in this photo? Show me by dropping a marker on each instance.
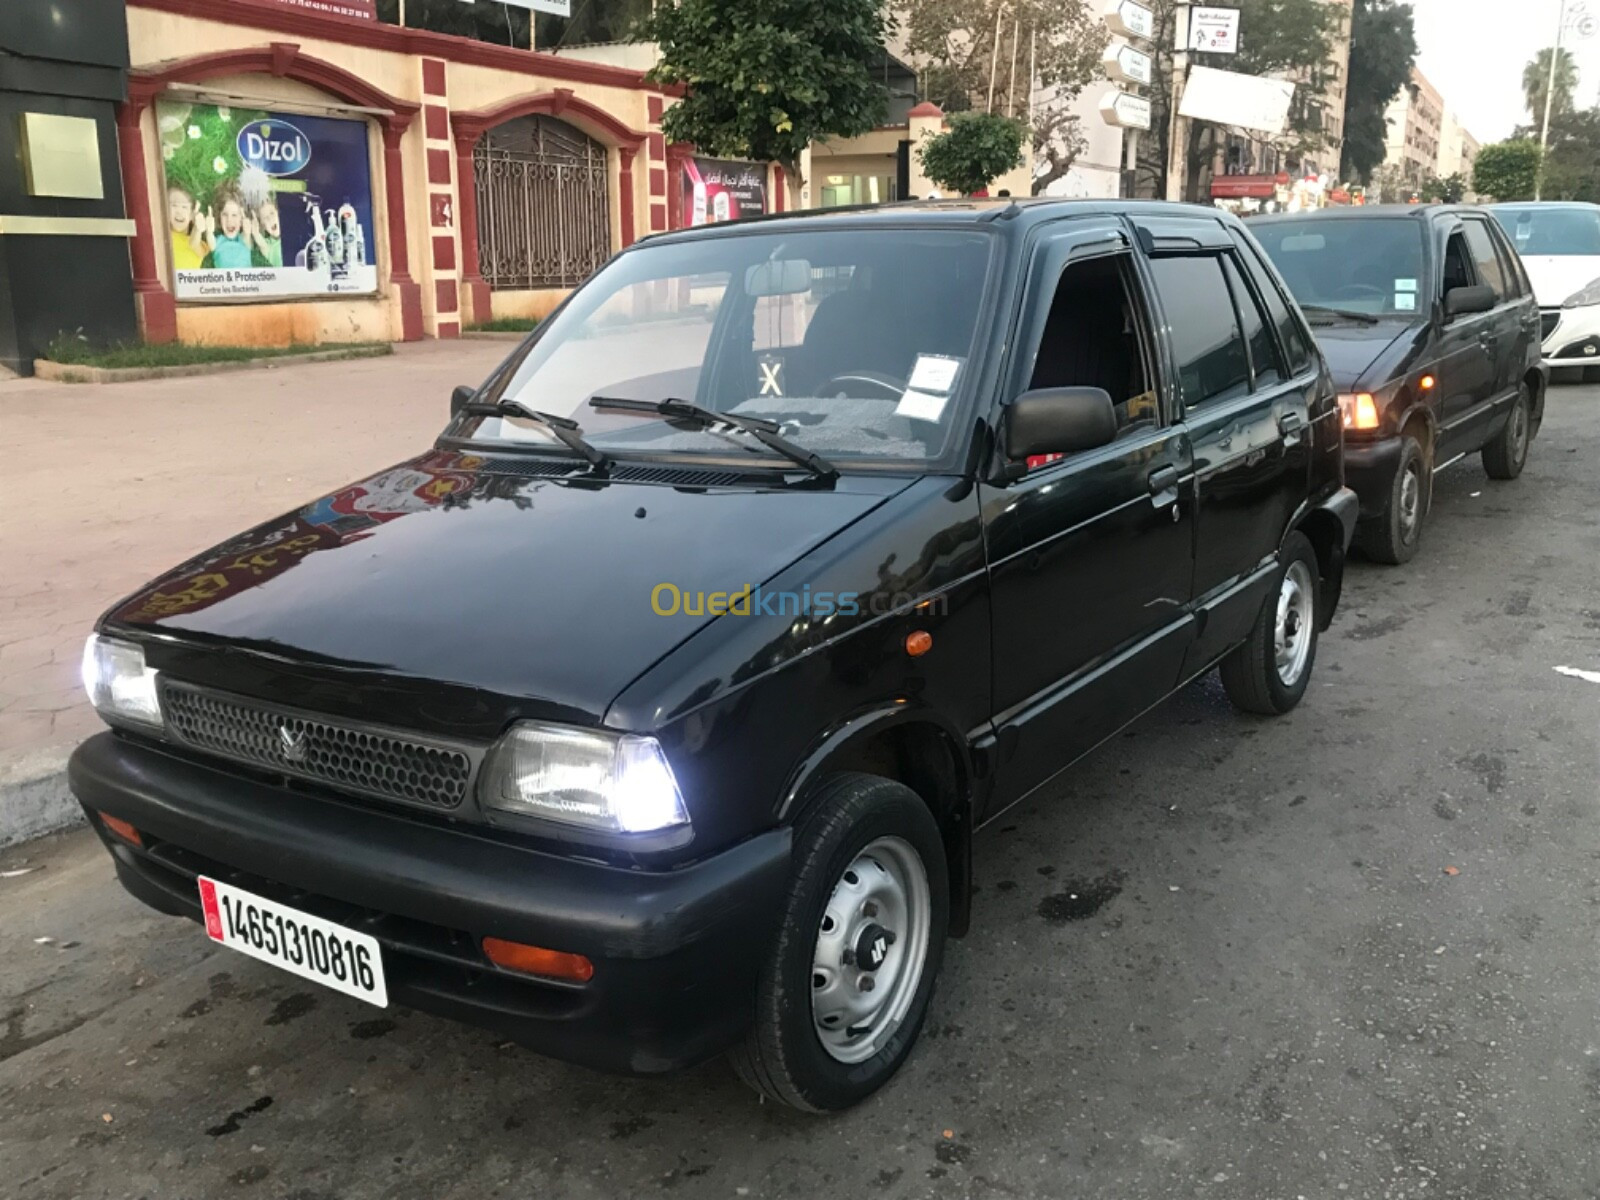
(1549, 318)
(351, 758)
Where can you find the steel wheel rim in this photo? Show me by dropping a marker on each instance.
(880, 905)
(1410, 502)
(1296, 623)
(1519, 430)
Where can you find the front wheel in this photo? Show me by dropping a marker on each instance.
(1270, 672)
(1505, 457)
(1394, 536)
(847, 984)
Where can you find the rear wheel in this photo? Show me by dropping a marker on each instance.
(1505, 457)
(848, 981)
(1270, 672)
(1394, 537)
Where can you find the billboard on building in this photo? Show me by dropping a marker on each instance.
(265, 205)
(723, 189)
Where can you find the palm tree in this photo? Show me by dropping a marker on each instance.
(1536, 77)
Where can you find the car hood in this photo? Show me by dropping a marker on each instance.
(1352, 349)
(462, 591)
(1555, 277)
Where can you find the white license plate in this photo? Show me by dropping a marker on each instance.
(308, 946)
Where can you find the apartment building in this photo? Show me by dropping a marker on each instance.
(1458, 150)
(1416, 131)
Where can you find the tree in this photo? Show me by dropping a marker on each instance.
(1383, 51)
(973, 152)
(766, 78)
(1024, 58)
(1572, 166)
(1450, 190)
(1536, 81)
(1507, 170)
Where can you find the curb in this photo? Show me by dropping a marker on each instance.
(495, 335)
(34, 797)
(43, 368)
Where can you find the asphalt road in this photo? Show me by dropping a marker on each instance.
(1347, 954)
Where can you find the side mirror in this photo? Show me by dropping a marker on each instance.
(460, 398)
(1058, 421)
(1464, 301)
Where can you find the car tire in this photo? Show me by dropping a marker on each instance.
(1269, 673)
(1393, 538)
(1505, 457)
(866, 849)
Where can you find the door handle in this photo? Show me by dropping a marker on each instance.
(1290, 423)
(1163, 479)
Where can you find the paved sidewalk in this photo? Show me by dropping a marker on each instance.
(108, 486)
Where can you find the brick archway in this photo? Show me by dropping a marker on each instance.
(283, 60)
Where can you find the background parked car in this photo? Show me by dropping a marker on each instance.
(1560, 248)
(1430, 325)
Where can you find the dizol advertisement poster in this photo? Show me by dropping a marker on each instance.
(266, 206)
(723, 189)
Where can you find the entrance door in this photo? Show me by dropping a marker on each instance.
(544, 217)
(1090, 555)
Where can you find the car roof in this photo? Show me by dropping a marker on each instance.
(1366, 212)
(1011, 212)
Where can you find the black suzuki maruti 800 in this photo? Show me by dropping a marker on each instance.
(651, 712)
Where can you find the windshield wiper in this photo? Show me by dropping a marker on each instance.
(764, 431)
(564, 429)
(1347, 314)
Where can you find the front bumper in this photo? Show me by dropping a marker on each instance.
(1369, 470)
(1575, 339)
(676, 953)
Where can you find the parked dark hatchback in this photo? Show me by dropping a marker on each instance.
(1430, 324)
(651, 713)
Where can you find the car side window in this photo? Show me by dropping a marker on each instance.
(1481, 246)
(1263, 349)
(1509, 263)
(1095, 337)
(1296, 344)
(1457, 263)
(1207, 343)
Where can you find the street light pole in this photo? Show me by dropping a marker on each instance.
(1549, 99)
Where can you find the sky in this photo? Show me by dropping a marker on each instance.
(1473, 51)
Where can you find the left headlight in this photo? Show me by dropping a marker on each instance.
(1588, 296)
(612, 783)
(120, 686)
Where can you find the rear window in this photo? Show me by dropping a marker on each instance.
(1372, 266)
(1543, 232)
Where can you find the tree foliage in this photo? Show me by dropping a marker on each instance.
(766, 78)
(1450, 190)
(1536, 81)
(973, 152)
(1507, 170)
(1572, 166)
(1383, 51)
(1025, 58)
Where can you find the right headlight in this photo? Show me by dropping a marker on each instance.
(1583, 299)
(608, 782)
(121, 688)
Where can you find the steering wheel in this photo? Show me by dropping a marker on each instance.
(890, 387)
(1355, 291)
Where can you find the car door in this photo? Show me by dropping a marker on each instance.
(1520, 331)
(1248, 421)
(1090, 555)
(1468, 355)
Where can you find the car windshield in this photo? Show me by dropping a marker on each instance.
(1371, 265)
(1549, 232)
(854, 342)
